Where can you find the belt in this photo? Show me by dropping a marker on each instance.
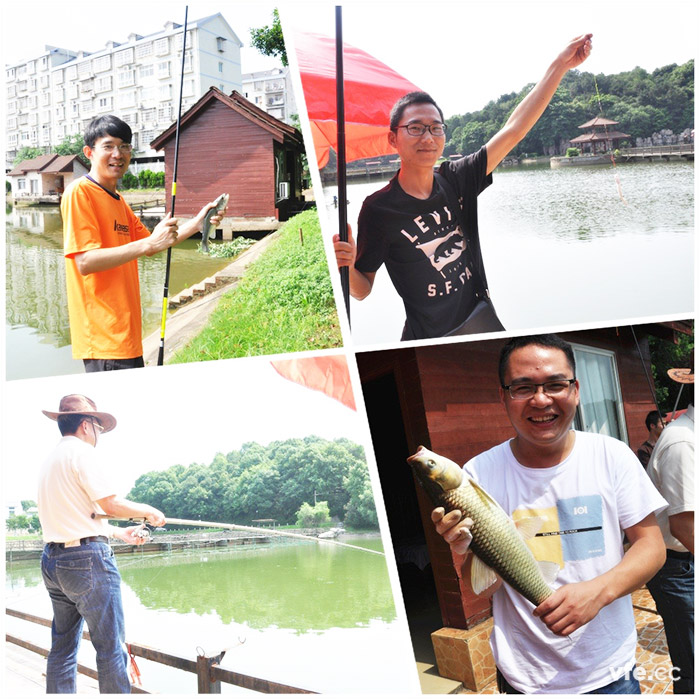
(83, 540)
(685, 556)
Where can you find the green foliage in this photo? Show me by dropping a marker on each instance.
(148, 180)
(664, 356)
(72, 146)
(229, 249)
(572, 152)
(641, 102)
(313, 516)
(18, 522)
(272, 481)
(284, 303)
(27, 153)
(270, 40)
(129, 181)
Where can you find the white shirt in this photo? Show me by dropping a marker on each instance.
(586, 501)
(71, 480)
(672, 470)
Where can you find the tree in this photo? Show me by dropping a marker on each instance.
(664, 356)
(72, 146)
(27, 153)
(270, 40)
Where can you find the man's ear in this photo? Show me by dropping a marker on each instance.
(391, 137)
(87, 152)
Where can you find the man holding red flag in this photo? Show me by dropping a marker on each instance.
(423, 225)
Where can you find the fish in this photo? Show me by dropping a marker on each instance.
(208, 230)
(498, 543)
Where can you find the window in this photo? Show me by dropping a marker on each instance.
(164, 69)
(102, 63)
(103, 84)
(143, 50)
(221, 67)
(125, 78)
(600, 409)
(220, 43)
(145, 71)
(72, 72)
(123, 58)
(84, 69)
(161, 46)
(165, 92)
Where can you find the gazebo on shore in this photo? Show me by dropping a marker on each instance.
(600, 138)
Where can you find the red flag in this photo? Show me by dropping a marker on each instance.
(328, 374)
(371, 89)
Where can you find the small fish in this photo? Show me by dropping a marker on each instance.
(208, 231)
(498, 543)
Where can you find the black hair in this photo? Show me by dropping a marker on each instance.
(107, 125)
(546, 340)
(68, 424)
(411, 98)
(653, 417)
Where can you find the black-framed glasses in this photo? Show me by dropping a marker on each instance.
(555, 387)
(417, 129)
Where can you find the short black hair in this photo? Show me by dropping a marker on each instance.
(68, 424)
(653, 417)
(106, 125)
(410, 98)
(546, 340)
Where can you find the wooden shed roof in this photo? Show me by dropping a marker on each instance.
(599, 136)
(598, 121)
(279, 130)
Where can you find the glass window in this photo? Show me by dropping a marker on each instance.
(600, 409)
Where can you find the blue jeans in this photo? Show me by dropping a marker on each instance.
(627, 685)
(84, 585)
(673, 590)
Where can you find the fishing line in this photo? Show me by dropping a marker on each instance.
(612, 155)
(166, 286)
(649, 382)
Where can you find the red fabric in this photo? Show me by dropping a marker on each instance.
(328, 374)
(371, 89)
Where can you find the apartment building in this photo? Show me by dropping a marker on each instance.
(271, 91)
(57, 94)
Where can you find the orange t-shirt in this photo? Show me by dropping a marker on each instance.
(104, 308)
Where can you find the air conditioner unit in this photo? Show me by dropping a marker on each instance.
(283, 190)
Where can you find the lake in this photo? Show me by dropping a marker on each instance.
(36, 322)
(311, 615)
(562, 249)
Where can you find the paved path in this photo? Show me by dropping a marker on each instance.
(187, 320)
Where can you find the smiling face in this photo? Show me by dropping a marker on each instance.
(108, 165)
(418, 151)
(542, 423)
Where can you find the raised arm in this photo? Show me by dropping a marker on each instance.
(526, 114)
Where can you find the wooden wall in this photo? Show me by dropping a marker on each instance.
(222, 151)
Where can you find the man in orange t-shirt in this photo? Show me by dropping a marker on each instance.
(103, 240)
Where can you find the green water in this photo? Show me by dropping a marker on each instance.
(311, 615)
(36, 327)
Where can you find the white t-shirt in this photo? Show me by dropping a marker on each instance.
(585, 501)
(71, 480)
(672, 470)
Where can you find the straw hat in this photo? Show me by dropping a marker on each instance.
(82, 405)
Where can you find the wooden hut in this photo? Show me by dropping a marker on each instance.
(600, 137)
(446, 398)
(227, 144)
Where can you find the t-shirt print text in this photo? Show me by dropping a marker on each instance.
(122, 229)
(443, 243)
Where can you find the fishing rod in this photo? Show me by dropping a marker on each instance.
(161, 348)
(341, 174)
(651, 386)
(231, 526)
(612, 155)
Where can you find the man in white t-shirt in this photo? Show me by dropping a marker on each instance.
(77, 563)
(588, 489)
(672, 471)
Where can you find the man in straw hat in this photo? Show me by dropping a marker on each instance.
(78, 564)
(671, 469)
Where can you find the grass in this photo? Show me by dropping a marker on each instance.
(284, 303)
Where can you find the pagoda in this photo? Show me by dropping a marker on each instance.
(600, 136)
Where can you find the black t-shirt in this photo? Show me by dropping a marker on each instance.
(428, 257)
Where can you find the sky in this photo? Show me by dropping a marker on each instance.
(78, 24)
(467, 53)
(178, 414)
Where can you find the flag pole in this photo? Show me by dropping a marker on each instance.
(166, 286)
(341, 175)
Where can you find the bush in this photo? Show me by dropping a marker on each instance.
(572, 152)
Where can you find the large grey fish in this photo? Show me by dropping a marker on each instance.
(498, 543)
(208, 231)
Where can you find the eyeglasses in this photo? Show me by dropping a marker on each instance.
(109, 147)
(416, 129)
(520, 392)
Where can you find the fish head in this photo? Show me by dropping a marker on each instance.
(222, 202)
(436, 469)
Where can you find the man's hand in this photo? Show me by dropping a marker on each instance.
(453, 529)
(216, 218)
(164, 235)
(155, 518)
(578, 50)
(345, 251)
(570, 607)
